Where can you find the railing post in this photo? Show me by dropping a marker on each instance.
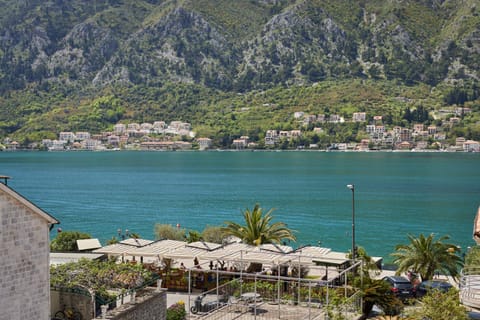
(159, 285)
(133, 296)
(104, 311)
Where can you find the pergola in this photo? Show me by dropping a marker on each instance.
(238, 255)
(278, 264)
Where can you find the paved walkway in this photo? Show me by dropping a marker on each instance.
(174, 297)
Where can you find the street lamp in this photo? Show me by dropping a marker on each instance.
(352, 187)
(123, 236)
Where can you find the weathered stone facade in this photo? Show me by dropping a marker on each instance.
(24, 266)
(150, 304)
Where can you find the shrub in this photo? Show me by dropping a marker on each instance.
(177, 311)
(67, 241)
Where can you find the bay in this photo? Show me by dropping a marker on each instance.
(396, 193)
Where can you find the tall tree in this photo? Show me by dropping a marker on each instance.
(258, 228)
(472, 258)
(425, 256)
(167, 231)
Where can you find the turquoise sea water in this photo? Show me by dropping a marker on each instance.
(395, 193)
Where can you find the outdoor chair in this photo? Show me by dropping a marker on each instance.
(237, 304)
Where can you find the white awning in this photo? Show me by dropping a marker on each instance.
(276, 248)
(156, 249)
(116, 249)
(204, 245)
(233, 252)
(136, 242)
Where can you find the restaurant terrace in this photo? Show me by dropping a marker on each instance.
(239, 281)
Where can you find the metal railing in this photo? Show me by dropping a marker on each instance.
(274, 297)
(470, 287)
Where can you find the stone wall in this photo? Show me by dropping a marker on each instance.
(59, 299)
(150, 304)
(24, 263)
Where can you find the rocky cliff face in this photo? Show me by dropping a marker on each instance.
(236, 45)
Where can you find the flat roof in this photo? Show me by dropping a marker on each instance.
(57, 258)
(331, 259)
(88, 244)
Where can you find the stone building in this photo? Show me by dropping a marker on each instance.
(24, 248)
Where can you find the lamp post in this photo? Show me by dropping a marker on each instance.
(352, 187)
(121, 235)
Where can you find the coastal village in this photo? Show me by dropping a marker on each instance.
(126, 126)
(178, 135)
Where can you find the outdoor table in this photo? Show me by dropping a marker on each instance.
(251, 296)
(252, 300)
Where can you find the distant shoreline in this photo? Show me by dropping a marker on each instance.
(251, 150)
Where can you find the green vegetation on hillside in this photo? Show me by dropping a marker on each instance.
(30, 116)
(233, 68)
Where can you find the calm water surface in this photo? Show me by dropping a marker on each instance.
(395, 193)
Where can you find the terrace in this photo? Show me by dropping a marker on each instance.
(238, 281)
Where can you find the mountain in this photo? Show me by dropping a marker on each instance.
(60, 56)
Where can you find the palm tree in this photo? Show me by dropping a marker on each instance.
(258, 228)
(425, 255)
(377, 291)
(374, 291)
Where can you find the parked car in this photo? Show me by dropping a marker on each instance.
(400, 286)
(428, 285)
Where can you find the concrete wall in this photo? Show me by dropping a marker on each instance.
(24, 263)
(149, 304)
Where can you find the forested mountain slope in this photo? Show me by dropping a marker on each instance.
(154, 58)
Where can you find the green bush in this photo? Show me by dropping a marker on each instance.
(67, 241)
(177, 311)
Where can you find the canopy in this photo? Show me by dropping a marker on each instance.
(268, 254)
(276, 248)
(337, 259)
(185, 252)
(136, 242)
(156, 249)
(204, 245)
(116, 249)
